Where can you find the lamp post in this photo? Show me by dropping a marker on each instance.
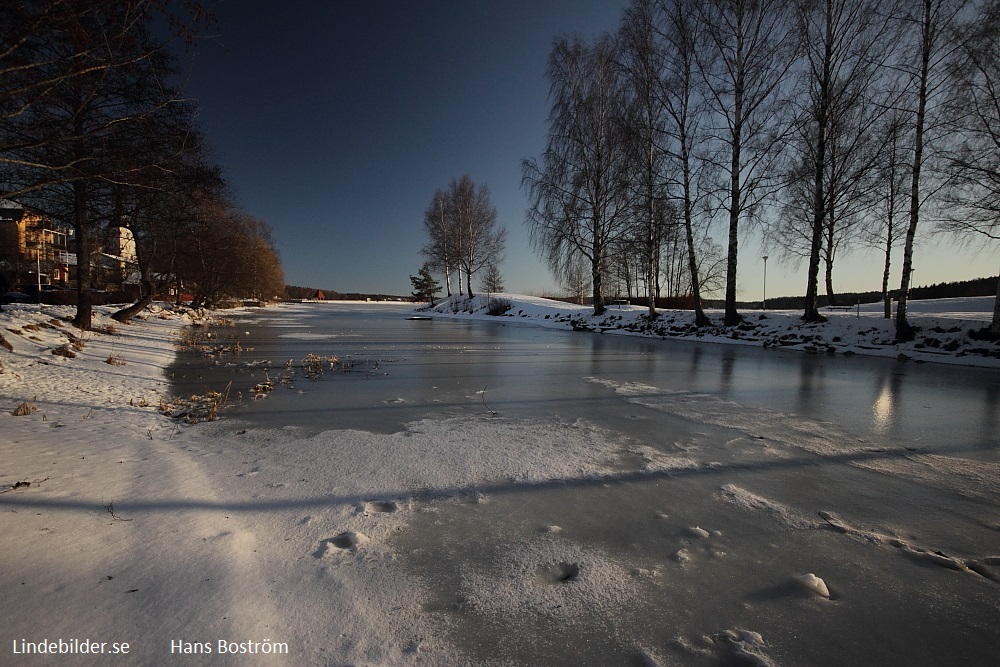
(765, 282)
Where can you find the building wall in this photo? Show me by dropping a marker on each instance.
(29, 240)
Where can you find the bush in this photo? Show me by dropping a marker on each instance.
(498, 306)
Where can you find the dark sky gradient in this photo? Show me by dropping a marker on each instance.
(336, 121)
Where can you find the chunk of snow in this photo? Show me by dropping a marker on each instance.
(813, 584)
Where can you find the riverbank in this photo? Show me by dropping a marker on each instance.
(83, 446)
(945, 326)
(49, 362)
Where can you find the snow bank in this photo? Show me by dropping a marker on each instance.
(943, 326)
(106, 368)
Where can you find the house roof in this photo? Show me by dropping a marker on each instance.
(10, 211)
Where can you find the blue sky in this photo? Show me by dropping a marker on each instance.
(336, 120)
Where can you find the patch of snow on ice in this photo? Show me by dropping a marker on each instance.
(750, 501)
(548, 577)
(315, 336)
(656, 461)
(440, 456)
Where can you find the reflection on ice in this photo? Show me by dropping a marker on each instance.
(884, 409)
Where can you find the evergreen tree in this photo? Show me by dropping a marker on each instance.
(425, 285)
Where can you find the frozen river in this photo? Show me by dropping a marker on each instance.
(692, 487)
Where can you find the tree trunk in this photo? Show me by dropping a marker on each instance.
(886, 299)
(889, 240)
(596, 275)
(700, 319)
(831, 295)
(650, 230)
(84, 304)
(447, 250)
(598, 298)
(732, 318)
(820, 195)
(811, 313)
(904, 331)
(995, 327)
(147, 287)
(128, 312)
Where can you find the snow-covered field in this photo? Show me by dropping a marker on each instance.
(119, 525)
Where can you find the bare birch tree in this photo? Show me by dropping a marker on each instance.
(641, 57)
(750, 48)
(684, 102)
(936, 44)
(973, 204)
(579, 202)
(845, 43)
(475, 222)
(440, 250)
(888, 222)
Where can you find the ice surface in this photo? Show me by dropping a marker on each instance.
(467, 538)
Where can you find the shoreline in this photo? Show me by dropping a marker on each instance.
(54, 366)
(112, 365)
(943, 327)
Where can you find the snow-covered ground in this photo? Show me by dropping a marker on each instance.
(943, 326)
(120, 525)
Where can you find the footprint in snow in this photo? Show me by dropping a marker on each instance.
(729, 647)
(559, 573)
(379, 507)
(346, 541)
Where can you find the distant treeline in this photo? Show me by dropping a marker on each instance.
(977, 287)
(296, 292)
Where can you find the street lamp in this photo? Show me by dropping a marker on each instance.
(765, 281)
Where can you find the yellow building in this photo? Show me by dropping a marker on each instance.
(33, 248)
